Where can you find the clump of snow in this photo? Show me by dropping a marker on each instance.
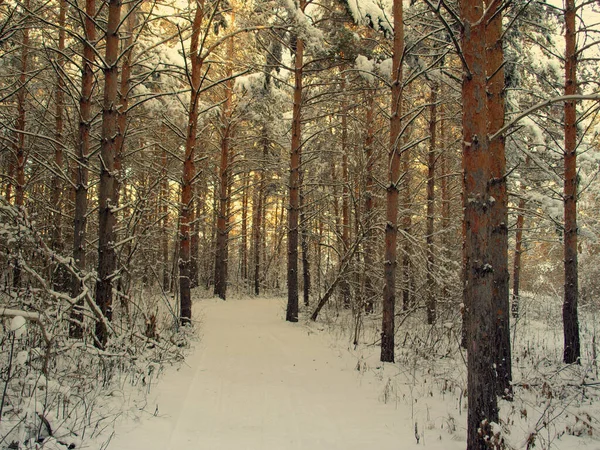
(21, 358)
(385, 68)
(366, 67)
(534, 129)
(249, 83)
(18, 325)
(370, 12)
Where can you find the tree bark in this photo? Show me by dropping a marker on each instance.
(223, 217)
(480, 323)
(294, 188)
(517, 259)
(391, 228)
(195, 238)
(164, 207)
(431, 160)
(60, 277)
(345, 285)
(244, 247)
(81, 169)
(499, 205)
(189, 170)
(572, 350)
(370, 292)
(20, 124)
(106, 188)
(257, 206)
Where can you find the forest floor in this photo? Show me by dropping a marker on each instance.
(256, 382)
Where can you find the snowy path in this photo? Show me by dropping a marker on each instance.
(255, 382)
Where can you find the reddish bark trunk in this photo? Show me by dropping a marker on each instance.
(391, 228)
(572, 350)
(294, 209)
(499, 206)
(106, 199)
(189, 170)
(480, 317)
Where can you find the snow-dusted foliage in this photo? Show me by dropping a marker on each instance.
(60, 392)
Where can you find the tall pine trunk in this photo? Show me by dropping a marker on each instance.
(189, 170)
(106, 188)
(480, 317)
(431, 160)
(223, 216)
(345, 285)
(499, 207)
(370, 291)
(391, 228)
(60, 280)
(81, 170)
(517, 260)
(294, 187)
(572, 350)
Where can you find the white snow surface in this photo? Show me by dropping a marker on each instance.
(18, 325)
(256, 382)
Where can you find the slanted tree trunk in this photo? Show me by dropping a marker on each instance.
(499, 207)
(81, 169)
(391, 228)
(431, 159)
(572, 350)
(481, 320)
(189, 170)
(106, 188)
(294, 187)
(222, 218)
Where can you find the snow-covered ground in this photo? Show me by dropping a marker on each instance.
(255, 382)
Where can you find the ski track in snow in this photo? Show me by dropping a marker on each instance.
(256, 382)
